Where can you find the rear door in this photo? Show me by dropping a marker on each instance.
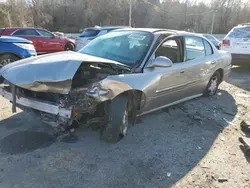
(200, 64)
(50, 43)
(30, 34)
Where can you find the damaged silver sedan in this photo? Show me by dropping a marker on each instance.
(115, 78)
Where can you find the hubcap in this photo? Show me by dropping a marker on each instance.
(213, 85)
(5, 62)
(124, 126)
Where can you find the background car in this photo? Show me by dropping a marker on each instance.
(43, 40)
(91, 33)
(212, 39)
(14, 48)
(237, 42)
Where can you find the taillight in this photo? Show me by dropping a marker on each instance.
(225, 43)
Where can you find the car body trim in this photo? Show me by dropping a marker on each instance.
(179, 87)
(37, 104)
(171, 104)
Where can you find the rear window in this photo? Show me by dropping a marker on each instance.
(242, 32)
(89, 33)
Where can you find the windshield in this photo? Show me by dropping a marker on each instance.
(89, 33)
(127, 47)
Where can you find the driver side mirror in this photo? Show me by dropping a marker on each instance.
(160, 61)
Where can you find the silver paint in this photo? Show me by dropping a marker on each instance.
(160, 86)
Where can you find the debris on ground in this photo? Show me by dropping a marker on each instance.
(245, 147)
(197, 117)
(228, 121)
(221, 180)
(222, 138)
(245, 126)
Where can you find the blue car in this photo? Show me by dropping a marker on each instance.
(14, 48)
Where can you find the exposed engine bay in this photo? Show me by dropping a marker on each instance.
(80, 100)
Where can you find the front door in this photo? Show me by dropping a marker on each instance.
(50, 42)
(172, 80)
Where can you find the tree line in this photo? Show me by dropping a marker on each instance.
(73, 15)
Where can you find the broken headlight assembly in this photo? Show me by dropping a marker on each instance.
(96, 89)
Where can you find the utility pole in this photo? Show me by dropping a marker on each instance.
(130, 13)
(212, 26)
(9, 19)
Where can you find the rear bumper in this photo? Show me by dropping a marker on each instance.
(38, 105)
(240, 59)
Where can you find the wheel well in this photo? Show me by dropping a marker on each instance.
(136, 100)
(220, 71)
(9, 53)
(69, 43)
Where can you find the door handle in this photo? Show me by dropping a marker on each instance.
(213, 62)
(182, 71)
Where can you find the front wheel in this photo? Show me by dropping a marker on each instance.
(7, 59)
(69, 47)
(117, 125)
(213, 84)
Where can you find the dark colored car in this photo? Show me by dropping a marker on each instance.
(43, 40)
(15, 48)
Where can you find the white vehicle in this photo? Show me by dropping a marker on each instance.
(237, 42)
(91, 33)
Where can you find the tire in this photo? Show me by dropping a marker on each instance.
(7, 59)
(117, 126)
(213, 84)
(69, 47)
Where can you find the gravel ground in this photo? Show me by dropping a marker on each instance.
(194, 144)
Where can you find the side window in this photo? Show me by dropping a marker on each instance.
(208, 48)
(103, 32)
(194, 48)
(20, 32)
(170, 49)
(26, 32)
(45, 33)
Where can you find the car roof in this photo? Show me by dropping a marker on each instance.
(114, 27)
(162, 31)
(21, 28)
(105, 27)
(150, 30)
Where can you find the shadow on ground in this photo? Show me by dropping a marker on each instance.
(240, 77)
(25, 137)
(157, 152)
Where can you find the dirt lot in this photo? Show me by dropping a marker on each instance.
(194, 144)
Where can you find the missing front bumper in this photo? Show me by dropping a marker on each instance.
(38, 105)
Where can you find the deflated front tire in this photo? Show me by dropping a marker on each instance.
(117, 125)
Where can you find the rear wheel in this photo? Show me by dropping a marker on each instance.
(213, 84)
(117, 125)
(7, 59)
(69, 47)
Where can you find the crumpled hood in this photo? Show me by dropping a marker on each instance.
(48, 73)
